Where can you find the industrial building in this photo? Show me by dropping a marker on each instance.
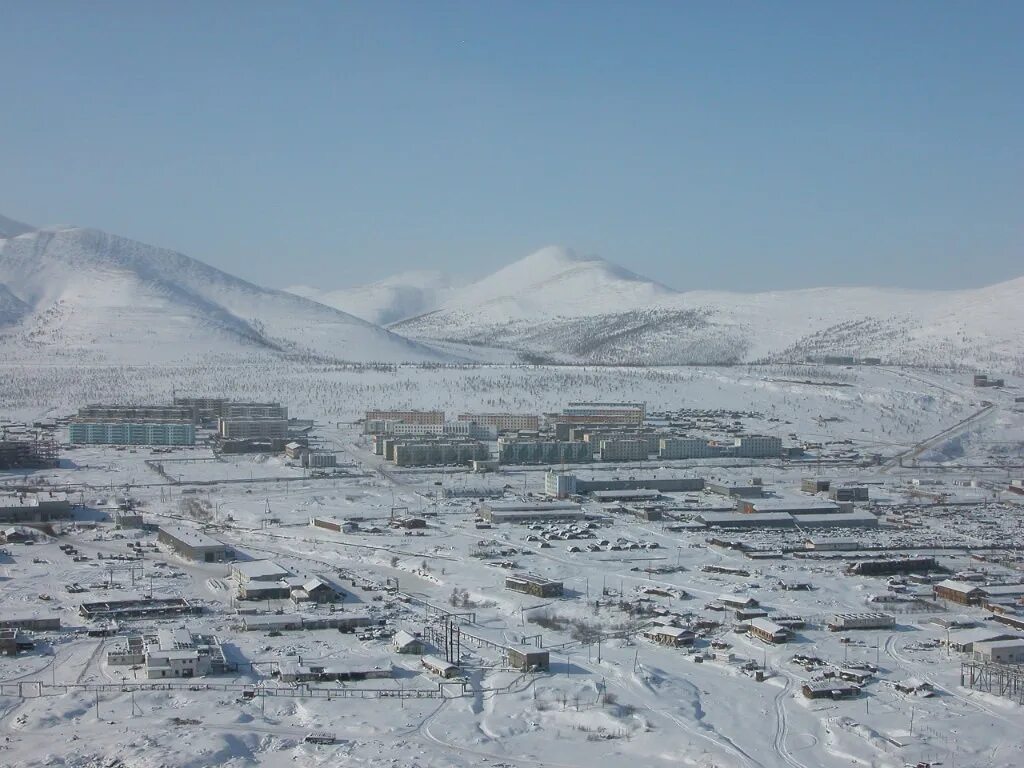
(1000, 651)
(804, 506)
(893, 566)
(257, 572)
(351, 671)
(131, 433)
(684, 448)
(293, 622)
(139, 608)
(513, 451)
(815, 485)
(850, 493)
(662, 484)
(268, 428)
(37, 507)
(13, 641)
(840, 622)
(169, 653)
(33, 623)
(407, 643)
(192, 544)
(440, 667)
(636, 494)
(527, 658)
(832, 545)
(521, 512)
(504, 422)
(31, 453)
(334, 524)
(537, 586)
(830, 689)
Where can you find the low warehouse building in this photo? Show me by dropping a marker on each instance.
(440, 667)
(673, 637)
(526, 658)
(523, 512)
(958, 592)
(830, 689)
(406, 642)
(537, 586)
(193, 544)
(843, 621)
(768, 631)
(1000, 651)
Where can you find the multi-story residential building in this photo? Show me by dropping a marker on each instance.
(512, 451)
(135, 413)
(251, 429)
(408, 417)
(757, 447)
(231, 410)
(131, 433)
(504, 422)
(685, 448)
(559, 485)
(604, 413)
(623, 450)
(412, 454)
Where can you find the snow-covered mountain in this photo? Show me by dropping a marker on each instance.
(391, 300)
(560, 306)
(80, 292)
(12, 228)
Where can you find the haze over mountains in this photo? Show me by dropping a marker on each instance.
(75, 292)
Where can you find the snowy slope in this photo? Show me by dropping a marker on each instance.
(12, 228)
(391, 300)
(81, 291)
(556, 305)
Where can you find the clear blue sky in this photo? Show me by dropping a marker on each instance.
(708, 145)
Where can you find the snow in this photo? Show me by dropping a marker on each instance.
(102, 297)
(91, 317)
(388, 301)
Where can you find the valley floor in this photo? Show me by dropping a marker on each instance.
(611, 697)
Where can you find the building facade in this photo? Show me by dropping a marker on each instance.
(251, 429)
(131, 433)
(504, 422)
(543, 452)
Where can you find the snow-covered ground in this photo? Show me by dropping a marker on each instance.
(623, 701)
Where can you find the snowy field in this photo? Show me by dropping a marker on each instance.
(611, 697)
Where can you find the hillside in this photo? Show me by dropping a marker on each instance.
(555, 305)
(388, 301)
(12, 228)
(80, 292)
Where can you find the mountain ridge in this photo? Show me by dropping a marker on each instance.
(88, 291)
